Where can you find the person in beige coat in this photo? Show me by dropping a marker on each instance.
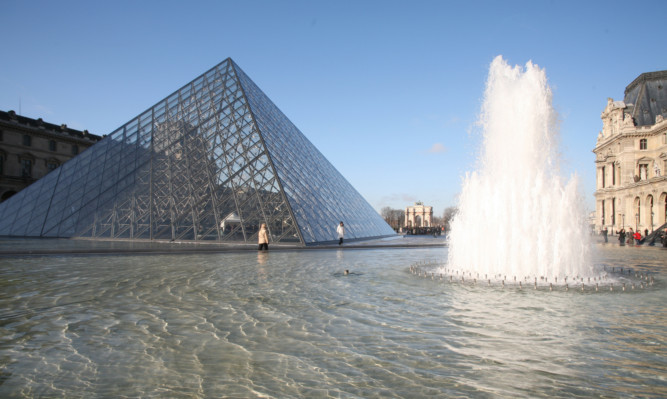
(263, 238)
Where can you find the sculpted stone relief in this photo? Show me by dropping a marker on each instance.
(628, 120)
(613, 118)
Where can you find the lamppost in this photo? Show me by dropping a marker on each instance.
(636, 221)
(623, 220)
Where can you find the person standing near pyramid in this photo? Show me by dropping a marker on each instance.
(341, 233)
(263, 238)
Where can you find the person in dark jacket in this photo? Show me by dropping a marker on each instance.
(664, 238)
(621, 237)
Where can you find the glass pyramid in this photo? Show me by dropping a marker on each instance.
(212, 161)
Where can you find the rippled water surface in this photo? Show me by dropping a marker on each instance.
(292, 324)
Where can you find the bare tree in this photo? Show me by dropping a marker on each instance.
(393, 217)
(399, 218)
(386, 214)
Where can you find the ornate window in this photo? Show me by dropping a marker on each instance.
(642, 144)
(52, 145)
(27, 140)
(75, 149)
(26, 167)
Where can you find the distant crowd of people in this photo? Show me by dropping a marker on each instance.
(631, 237)
(434, 231)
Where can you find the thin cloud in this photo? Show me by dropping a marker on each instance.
(454, 120)
(399, 197)
(437, 148)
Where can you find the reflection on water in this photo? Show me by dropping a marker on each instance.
(293, 324)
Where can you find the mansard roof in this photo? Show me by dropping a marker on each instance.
(646, 97)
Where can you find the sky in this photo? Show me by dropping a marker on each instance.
(388, 91)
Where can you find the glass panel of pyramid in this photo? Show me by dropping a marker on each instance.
(212, 161)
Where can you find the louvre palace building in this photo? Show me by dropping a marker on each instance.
(631, 158)
(210, 162)
(31, 148)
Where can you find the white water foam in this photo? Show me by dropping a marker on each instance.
(516, 215)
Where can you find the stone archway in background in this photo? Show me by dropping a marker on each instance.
(419, 215)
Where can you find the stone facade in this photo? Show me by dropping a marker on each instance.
(631, 158)
(419, 215)
(31, 148)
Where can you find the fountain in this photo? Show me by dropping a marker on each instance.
(517, 217)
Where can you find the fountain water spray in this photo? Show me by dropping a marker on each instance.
(516, 216)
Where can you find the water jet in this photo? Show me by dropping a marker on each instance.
(537, 220)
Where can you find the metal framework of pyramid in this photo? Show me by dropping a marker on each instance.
(212, 162)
